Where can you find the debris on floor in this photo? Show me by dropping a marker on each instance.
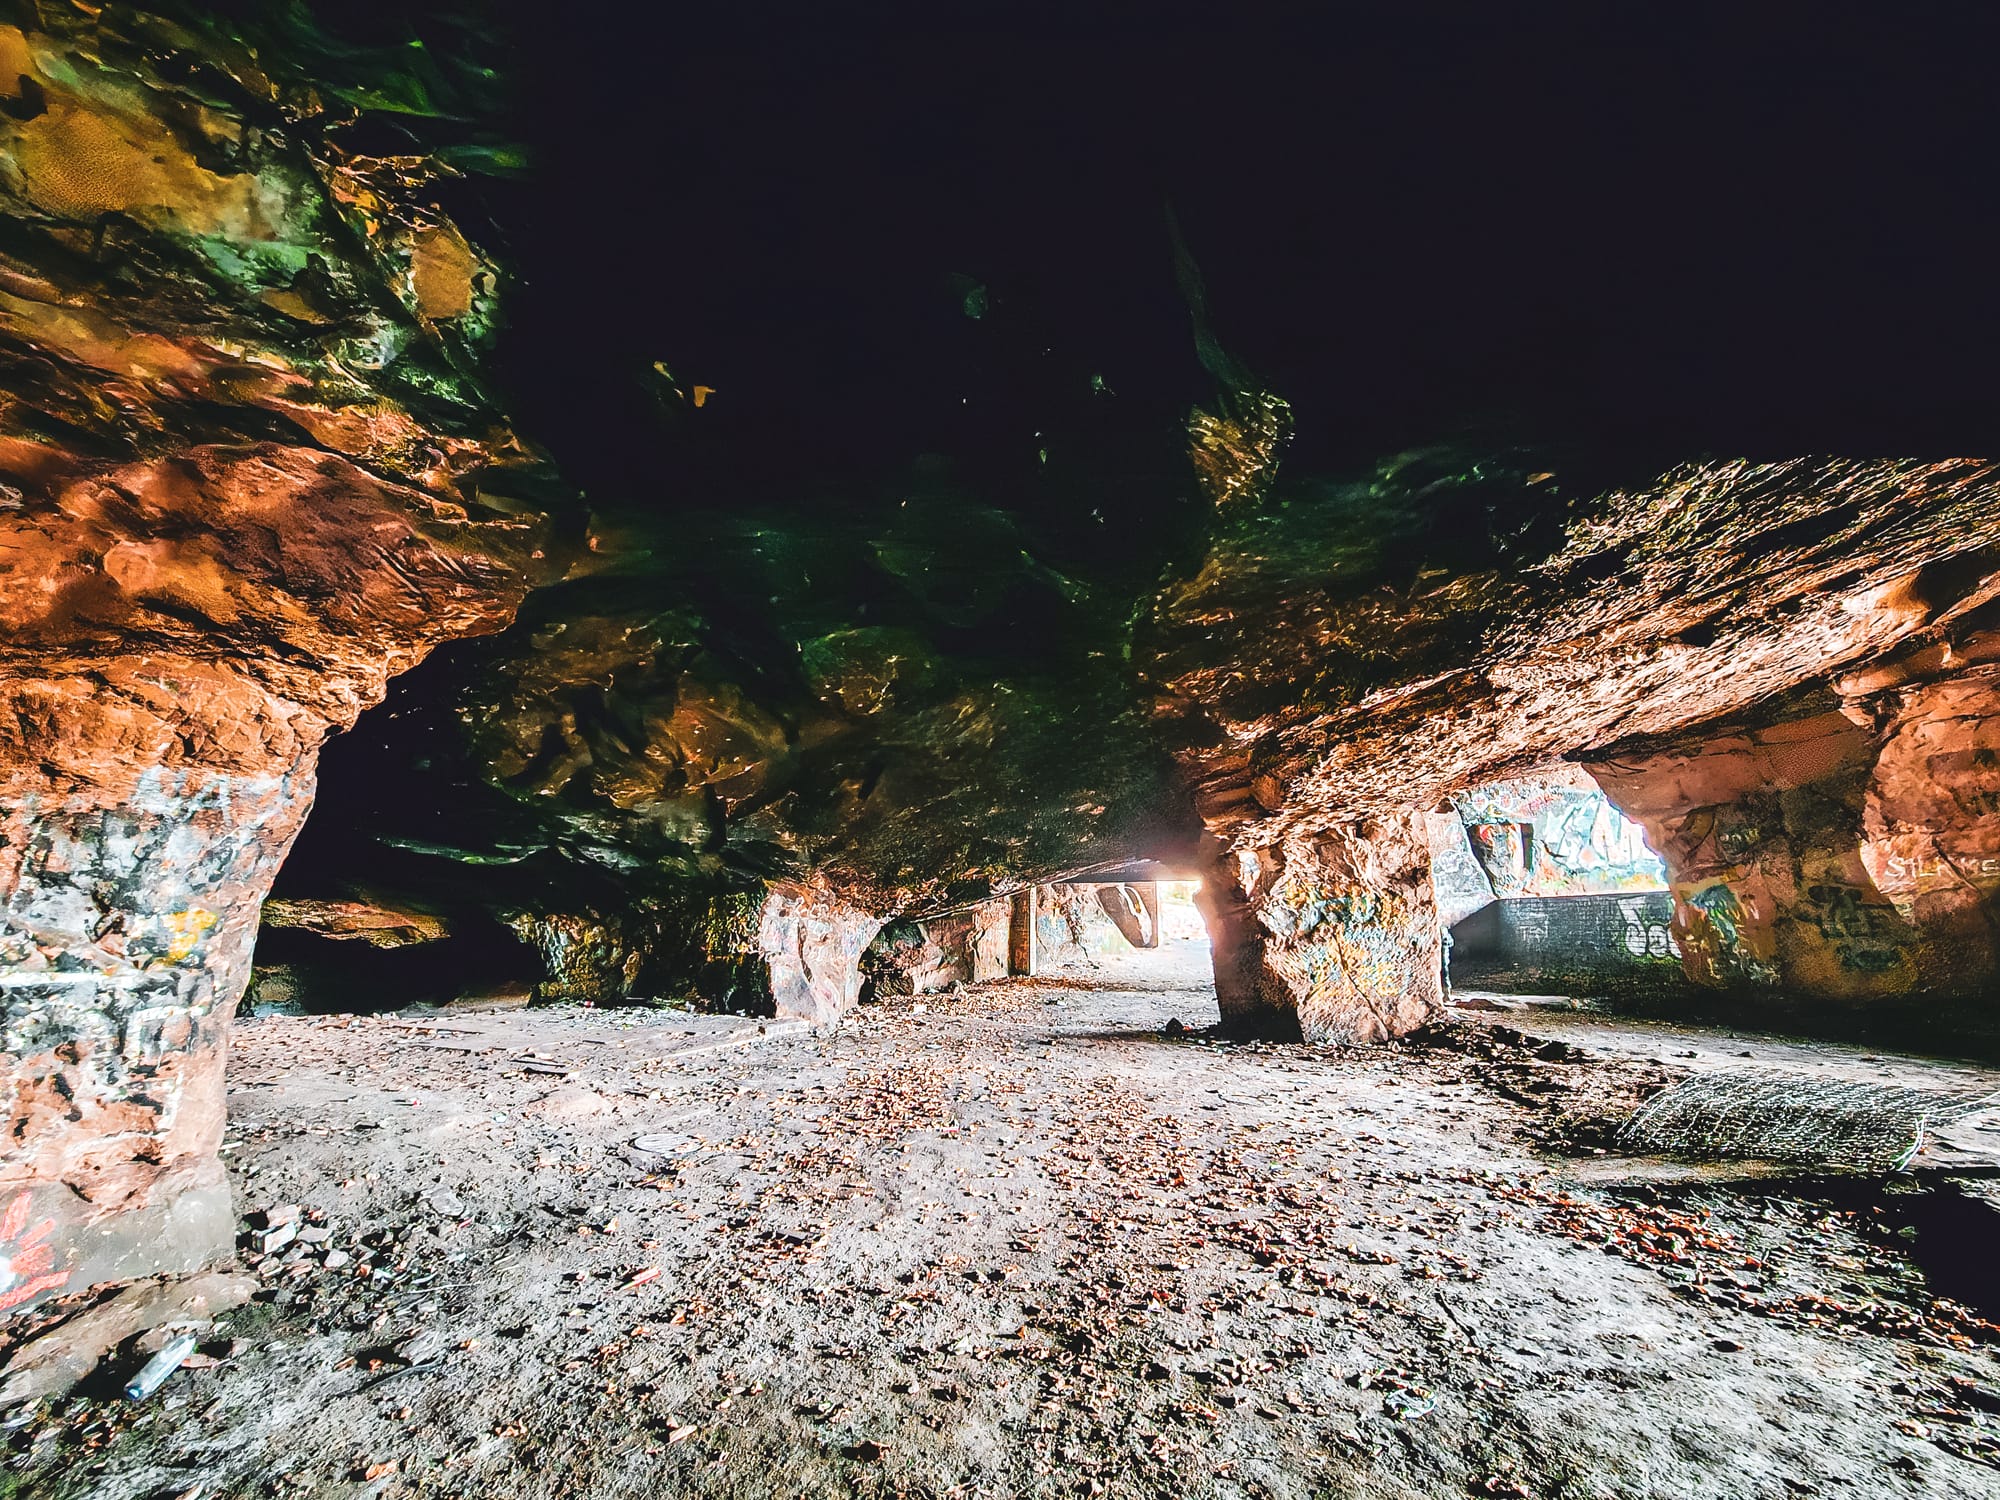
(1023, 1241)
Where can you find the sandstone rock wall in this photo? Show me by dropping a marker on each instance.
(1335, 938)
(1320, 675)
(953, 948)
(241, 484)
(1849, 854)
(1554, 834)
(811, 943)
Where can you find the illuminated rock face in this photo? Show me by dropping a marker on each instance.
(811, 944)
(156, 764)
(1845, 856)
(1931, 827)
(1333, 939)
(1555, 834)
(1337, 692)
(218, 541)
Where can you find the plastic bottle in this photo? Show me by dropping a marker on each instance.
(153, 1374)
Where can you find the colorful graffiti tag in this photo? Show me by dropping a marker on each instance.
(1646, 935)
(1541, 836)
(27, 1259)
(1866, 935)
(1718, 938)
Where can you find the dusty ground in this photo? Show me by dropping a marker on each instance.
(1027, 1242)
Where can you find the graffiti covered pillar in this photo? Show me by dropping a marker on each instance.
(127, 915)
(1334, 939)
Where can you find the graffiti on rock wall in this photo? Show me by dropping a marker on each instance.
(1458, 881)
(1867, 936)
(142, 886)
(1371, 944)
(1727, 835)
(1588, 841)
(107, 1077)
(1531, 926)
(113, 952)
(1352, 941)
(1922, 870)
(1543, 837)
(1724, 914)
(125, 936)
(27, 1256)
(1502, 849)
(1648, 934)
(1621, 946)
(1741, 830)
(1717, 939)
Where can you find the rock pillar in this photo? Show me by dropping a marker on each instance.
(1149, 903)
(127, 915)
(1931, 830)
(1333, 938)
(221, 532)
(1022, 934)
(811, 943)
(180, 637)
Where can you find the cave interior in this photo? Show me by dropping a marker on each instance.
(1355, 546)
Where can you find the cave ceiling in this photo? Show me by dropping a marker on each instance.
(950, 456)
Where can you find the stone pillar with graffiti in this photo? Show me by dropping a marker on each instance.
(1333, 938)
(130, 911)
(247, 474)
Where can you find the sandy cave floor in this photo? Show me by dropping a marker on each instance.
(1026, 1242)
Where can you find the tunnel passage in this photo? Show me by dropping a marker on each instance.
(1107, 913)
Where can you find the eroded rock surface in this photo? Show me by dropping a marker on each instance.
(941, 952)
(1332, 681)
(1335, 939)
(356, 921)
(244, 483)
(811, 944)
(1002, 623)
(1842, 848)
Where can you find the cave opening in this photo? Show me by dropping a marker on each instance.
(1545, 888)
